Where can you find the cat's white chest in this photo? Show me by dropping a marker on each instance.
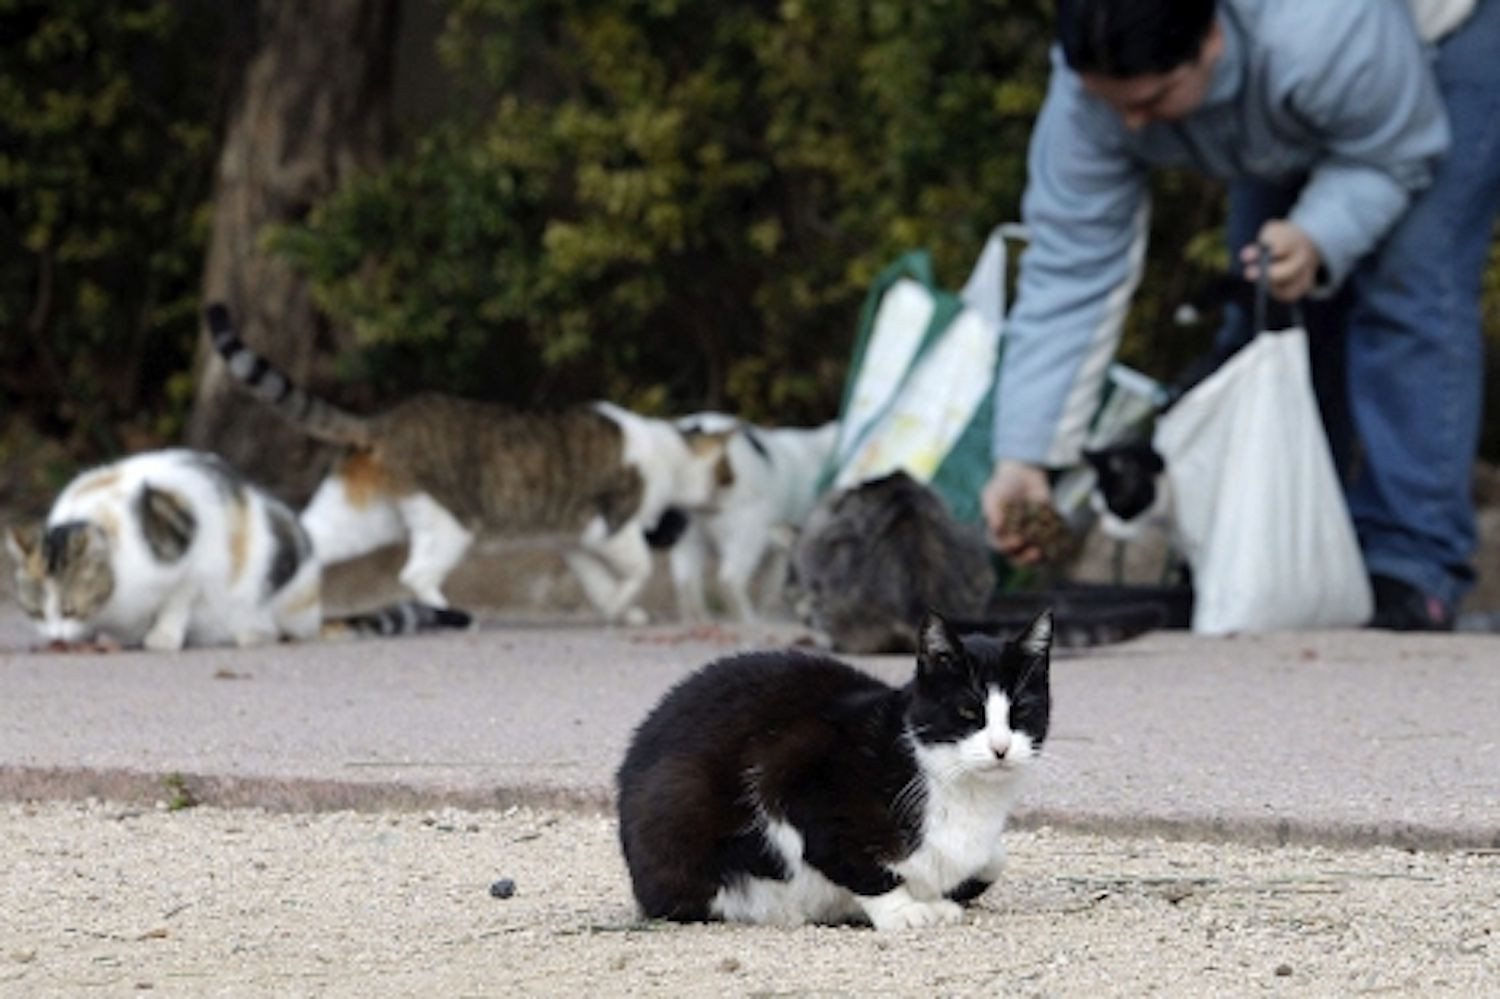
(961, 832)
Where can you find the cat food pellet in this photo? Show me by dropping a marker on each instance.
(504, 888)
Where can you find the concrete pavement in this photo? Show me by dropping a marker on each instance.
(1347, 738)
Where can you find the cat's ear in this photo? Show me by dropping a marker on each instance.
(705, 443)
(22, 542)
(938, 647)
(723, 470)
(713, 446)
(1035, 642)
(82, 541)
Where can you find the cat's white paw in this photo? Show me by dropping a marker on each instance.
(163, 640)
(897, 910)
(425, 591)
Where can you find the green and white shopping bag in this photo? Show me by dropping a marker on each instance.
(920, 396)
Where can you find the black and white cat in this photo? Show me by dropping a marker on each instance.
(1131, 490)
(787, 787)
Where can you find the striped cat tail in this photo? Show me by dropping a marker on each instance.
(409, 617)
(312, 415)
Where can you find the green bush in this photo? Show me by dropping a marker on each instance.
(677, 203)
(106, 154)
(669, 203)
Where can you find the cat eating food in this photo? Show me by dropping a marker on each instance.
(437, 470)
(789, 788)
(871, 558)
(170, 548)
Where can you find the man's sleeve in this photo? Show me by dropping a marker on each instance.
(1372, 96)
(1087, 209)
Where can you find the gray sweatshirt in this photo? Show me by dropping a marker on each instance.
(1339, 92)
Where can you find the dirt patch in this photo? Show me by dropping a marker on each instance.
(203, 900)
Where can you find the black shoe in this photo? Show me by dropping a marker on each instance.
(1400, 606)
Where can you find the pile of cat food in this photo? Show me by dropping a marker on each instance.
(1042, 528)
(101, 644)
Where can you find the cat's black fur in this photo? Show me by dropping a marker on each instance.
(811, 741)
(1128, 470)
(669, 529)
(1126, 476)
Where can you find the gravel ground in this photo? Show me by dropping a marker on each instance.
(109, 899)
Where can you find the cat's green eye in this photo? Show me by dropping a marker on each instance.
(968, 713)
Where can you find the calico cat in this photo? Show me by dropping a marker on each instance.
(437, 470)
(872, 558)
(174, 547)
(771, 486)
(787, 787)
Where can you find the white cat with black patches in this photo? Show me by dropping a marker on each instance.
(173, 548)
(788, 788)
(772, 484)
(168, 548)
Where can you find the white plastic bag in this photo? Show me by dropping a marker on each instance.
(1257, 504)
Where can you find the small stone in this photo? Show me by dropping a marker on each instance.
(729, 965)
(504, 888)
(1283, 971)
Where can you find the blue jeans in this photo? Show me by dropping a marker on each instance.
(1404, 418)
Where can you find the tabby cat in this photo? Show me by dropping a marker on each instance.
(437, 470)
(174, 547)
(787, 787)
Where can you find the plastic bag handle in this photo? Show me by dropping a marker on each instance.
(1263, 293)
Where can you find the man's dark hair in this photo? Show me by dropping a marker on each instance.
(1126, 38)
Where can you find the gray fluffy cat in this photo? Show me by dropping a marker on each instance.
(872, 559)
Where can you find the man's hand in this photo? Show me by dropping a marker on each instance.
(1013, 480)
(1294, 260)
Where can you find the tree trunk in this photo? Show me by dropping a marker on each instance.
(314, 108)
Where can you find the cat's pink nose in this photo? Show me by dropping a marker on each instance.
(1000, 747)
